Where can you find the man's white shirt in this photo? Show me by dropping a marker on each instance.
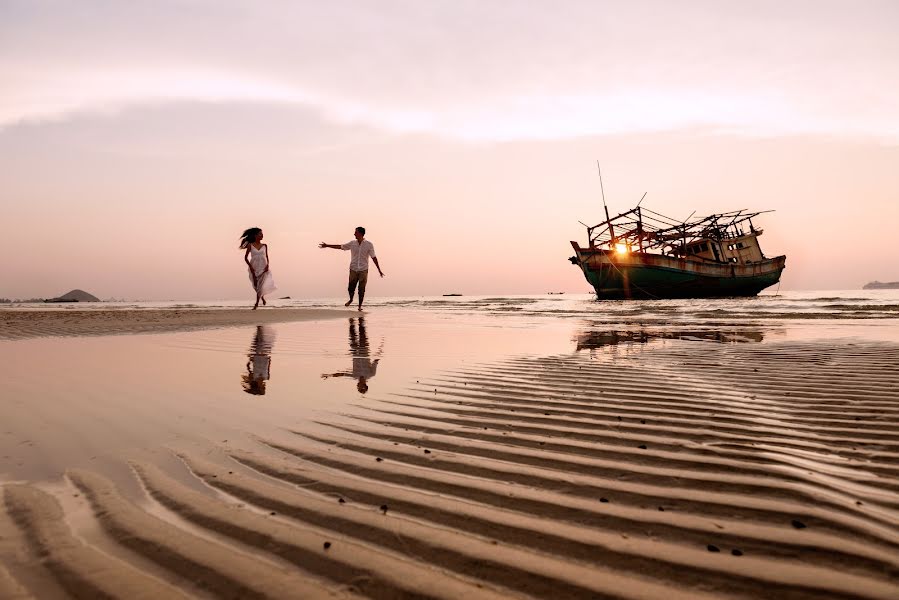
(364, 367)
(359, 254)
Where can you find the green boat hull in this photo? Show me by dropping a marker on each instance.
(651, 276)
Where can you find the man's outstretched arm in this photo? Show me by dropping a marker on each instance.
(337, 374)
(335, 246)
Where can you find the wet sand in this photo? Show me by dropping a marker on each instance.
(683, 469)
(24, 324)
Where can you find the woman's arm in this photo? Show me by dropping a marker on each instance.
(267, 263)
(246, 259)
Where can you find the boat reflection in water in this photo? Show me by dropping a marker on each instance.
(259, 361)
(591, 340)
(364, 367)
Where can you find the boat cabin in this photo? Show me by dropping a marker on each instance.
(741, 249)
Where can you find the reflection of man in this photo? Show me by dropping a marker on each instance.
(259, 361)
(364, 368)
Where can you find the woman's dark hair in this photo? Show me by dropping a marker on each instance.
(249, 236)
(252, 385)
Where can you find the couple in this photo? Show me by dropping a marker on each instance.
(257, 260)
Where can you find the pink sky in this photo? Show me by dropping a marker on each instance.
(137, 140)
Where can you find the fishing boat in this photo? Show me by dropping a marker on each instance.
(644, 254)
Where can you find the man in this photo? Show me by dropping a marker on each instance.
(360, 250)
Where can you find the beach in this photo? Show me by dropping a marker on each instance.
(484, 447)
(23, 324)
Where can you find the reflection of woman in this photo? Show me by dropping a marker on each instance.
(259, 361)
(364, 368)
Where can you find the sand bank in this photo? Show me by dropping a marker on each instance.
(682, 470)
(23, 324)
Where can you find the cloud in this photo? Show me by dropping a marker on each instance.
(496, 117)
(472, 71)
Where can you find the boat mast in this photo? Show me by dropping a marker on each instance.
(608, 220)
(640, 224)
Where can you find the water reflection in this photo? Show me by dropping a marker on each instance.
(259, 361)
(591, 340)
(364, 367)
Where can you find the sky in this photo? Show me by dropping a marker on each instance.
(139, 139)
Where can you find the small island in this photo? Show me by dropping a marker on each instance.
(877, 285)
(74, 296)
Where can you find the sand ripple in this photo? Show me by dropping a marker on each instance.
(696, 471)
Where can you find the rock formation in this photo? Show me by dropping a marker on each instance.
(75, 296)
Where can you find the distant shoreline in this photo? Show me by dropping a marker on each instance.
(878, 285)
(19, 325)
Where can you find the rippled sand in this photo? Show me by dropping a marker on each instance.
(687, 470)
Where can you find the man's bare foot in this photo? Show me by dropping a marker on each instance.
(348, 302)
(360, 308)
(255, 307)
(264, 302)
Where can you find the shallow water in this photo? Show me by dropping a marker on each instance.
(95, 397)
(91, 398)
(768, 309)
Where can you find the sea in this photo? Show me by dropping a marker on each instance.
(871, 314)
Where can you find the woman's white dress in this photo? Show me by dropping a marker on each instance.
(258, 261)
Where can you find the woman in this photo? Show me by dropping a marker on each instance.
(256, 258)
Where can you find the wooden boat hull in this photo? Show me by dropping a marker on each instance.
(642, 275)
